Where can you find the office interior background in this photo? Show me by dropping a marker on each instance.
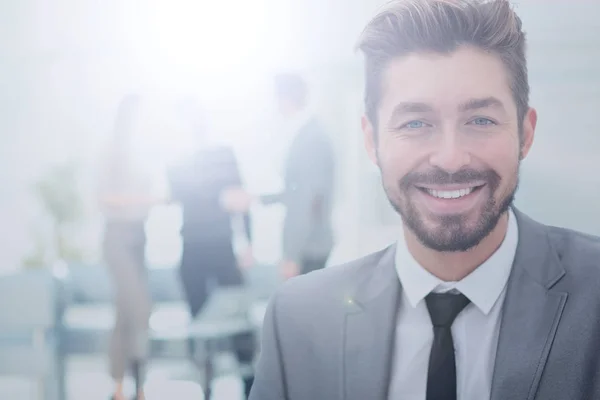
(65, 65)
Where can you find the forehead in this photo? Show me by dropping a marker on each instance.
(445, 80)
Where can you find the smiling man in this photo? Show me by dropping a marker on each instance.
(475, 300)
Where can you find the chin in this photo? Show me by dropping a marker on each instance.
(452, 232)
(464, 220)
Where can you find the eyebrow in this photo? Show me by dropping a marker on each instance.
(469, 105)
(408, 108)
(477, 104)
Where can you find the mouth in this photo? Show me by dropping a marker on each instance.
(451, 199)
(450, 193)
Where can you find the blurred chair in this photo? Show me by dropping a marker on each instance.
(223, 317)
(174, 390)
(227, 314)
(89, 316)
(31, 304)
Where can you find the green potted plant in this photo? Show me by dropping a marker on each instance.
(58, 193)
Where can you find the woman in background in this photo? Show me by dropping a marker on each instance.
(126, 197)
(208, 257)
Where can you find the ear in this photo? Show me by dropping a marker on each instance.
(369, 138)
(529, 124)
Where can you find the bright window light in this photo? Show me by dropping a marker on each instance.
(201, 42)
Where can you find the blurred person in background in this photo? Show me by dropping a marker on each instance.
(126, 195)
(209, 257)
(306, 164)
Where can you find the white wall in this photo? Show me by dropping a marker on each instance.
(65, 65)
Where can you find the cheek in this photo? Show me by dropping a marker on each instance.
(502, 156)
(394, 158)
(502, 148)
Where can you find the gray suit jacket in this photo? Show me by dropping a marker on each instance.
(308, 195)
(329, 334)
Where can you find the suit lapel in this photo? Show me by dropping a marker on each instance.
(531, 314)
(369, 332)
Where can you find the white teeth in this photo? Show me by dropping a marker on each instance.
(450, 194)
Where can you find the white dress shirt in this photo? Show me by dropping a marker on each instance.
(475, 329)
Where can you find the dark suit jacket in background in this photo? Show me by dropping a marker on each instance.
(308, 195)
(329, 335)
(197, 184)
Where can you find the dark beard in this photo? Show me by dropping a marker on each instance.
(456, 237)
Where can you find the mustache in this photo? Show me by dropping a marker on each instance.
(438, 176)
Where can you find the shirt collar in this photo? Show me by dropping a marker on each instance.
(483, 286)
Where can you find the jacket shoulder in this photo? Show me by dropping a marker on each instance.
(329, 286)
(578, 252)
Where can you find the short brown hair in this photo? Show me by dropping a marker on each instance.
(406, 26)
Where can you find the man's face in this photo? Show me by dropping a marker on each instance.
(447, 144)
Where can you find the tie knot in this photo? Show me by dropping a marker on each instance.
(444, 307)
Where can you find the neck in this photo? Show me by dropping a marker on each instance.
(454, 266)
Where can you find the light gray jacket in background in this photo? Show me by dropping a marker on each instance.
(308, 195)
(329, 335)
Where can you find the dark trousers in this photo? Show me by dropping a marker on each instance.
(206, 266)
(313, 264)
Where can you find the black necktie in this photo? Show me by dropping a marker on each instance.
(441, 376)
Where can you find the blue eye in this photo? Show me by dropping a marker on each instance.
(415, 125)
(482, 121)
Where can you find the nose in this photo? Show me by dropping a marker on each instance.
(450, 155)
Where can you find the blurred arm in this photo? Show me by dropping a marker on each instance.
(248, 227)
(268, 199)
